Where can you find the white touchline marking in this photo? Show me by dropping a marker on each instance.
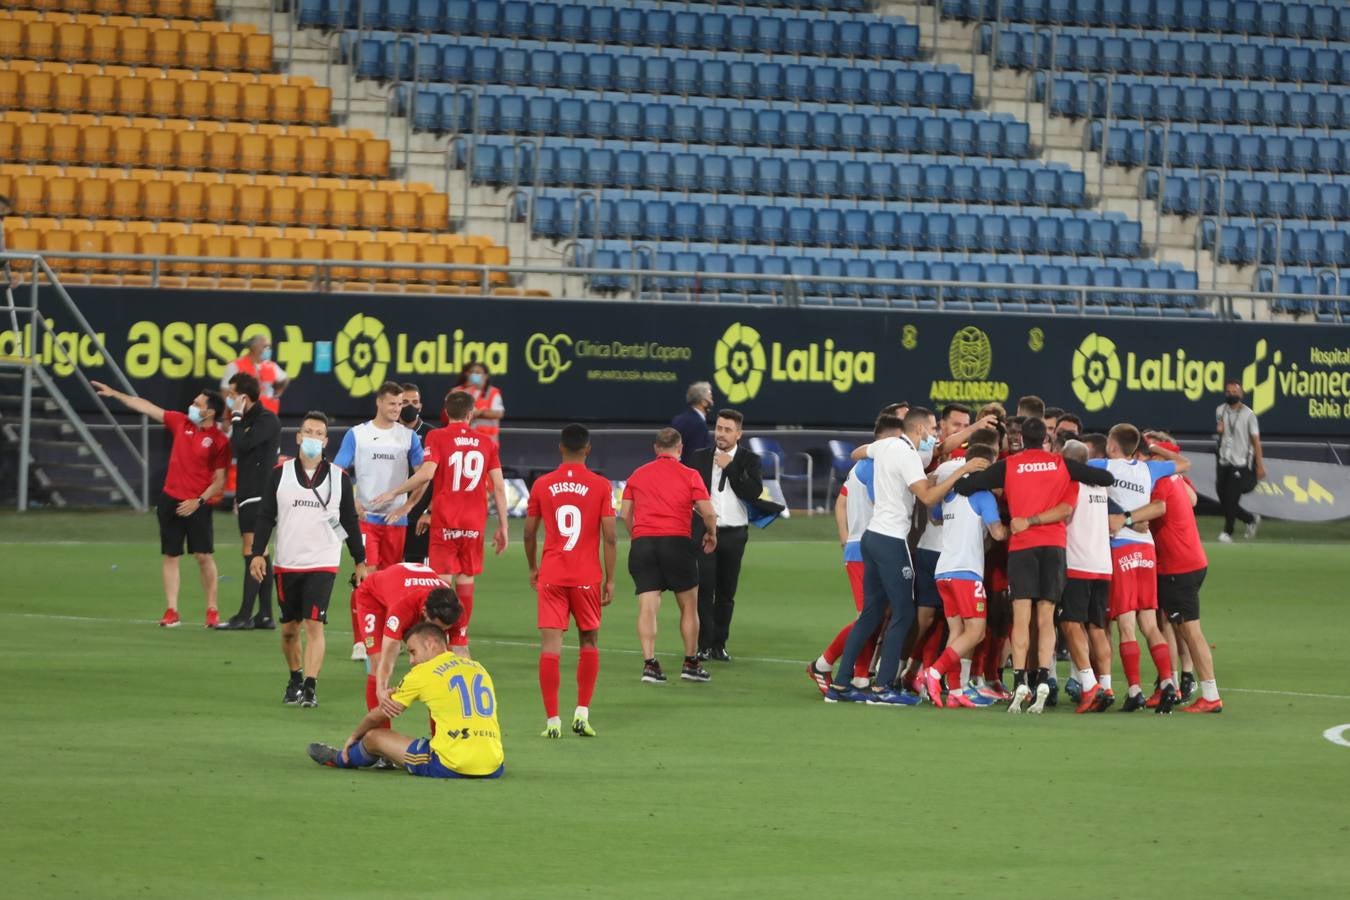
(770, 660)
(1337, 735)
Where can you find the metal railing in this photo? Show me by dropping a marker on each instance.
(134, 440)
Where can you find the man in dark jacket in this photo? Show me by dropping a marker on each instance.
(732, 476)
(416, 544)
(692, 423)
(254, 435)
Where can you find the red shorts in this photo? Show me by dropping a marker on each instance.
(962, 598)
(854, 570)
(455, 552)
(557, 601)
(384, 543)
(1134, 581)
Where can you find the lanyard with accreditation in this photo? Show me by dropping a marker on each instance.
(313, 484)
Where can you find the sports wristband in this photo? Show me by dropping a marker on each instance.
(1129, 519)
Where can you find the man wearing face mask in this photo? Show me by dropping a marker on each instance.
(488, 407)
(257, 361)
(416, 544)
(1241, 462)
(692, 423)
(197, 463)
(254, 435)
(312, 506)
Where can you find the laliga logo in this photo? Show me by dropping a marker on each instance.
(544, 356)
(1096, 372)
(740, 362)
(361, 355)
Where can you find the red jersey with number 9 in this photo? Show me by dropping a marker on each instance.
(571, 500)
(464, 458)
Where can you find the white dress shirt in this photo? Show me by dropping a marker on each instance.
(729, 508)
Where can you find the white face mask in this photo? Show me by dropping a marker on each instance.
(926, 453)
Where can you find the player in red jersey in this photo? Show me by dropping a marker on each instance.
(1182, 565)
(460, 463)
(1041, 495)
(389, 603)
(577, 509)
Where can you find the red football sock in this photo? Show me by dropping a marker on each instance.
(1162, 658)
(588, 669)
(836, 648)
(356, 622)
(862, 668)
(947, 663)
(548, 682)
(372, 700)
(1129, 658)
(977, 657)
(465, 594)
(932, 645)
(993, 659)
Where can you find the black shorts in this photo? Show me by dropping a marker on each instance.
(305, 595)
(248, 515)
(1036, 573)
(416, 547)
(1085, 600)
(1179, 595)
(663, 564)
(925, 579)
(197, 530)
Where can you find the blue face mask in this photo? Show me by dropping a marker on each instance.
(267, 354)
(195, 415)
(927, 444)
(311, 447)
(476, 379)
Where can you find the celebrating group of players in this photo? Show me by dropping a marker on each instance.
(969, 543)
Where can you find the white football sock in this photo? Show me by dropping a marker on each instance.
(965, 672)
(583, 712)
(1209, 689)
(1074, 671)
(860, 683)
(822, 666)
(1105, 681)
(1087, 679)
(554, 722)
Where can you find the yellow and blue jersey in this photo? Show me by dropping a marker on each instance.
(459, 694)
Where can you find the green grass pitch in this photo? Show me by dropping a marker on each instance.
(142, 762)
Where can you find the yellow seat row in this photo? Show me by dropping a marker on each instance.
(176, 43)
(207, 197)
(191, 148)
(167, 9)
(163, 94)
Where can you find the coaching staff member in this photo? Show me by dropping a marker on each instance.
(1241, 462)
(197, 464)
(312, 505)
(416, 543)
(655, 509)
(731, 473)
(255, 433)
(692, 422)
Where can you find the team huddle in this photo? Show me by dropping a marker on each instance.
(969, 544)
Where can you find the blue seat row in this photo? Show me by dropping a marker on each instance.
(561, 218)
(1326, 284)
(1265, 244)
(714, 173)
(1273, 18)
(714, 272)
(627, 26)
(1202, 147)
(522, 114)
(1078, 97)
(1250, 195)
(1211, 57)
(388, 57)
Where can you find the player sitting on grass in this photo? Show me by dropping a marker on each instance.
(459, 695)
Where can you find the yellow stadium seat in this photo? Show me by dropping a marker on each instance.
(221, 205)
(133, 46)
(313, 207)
(34, 140)
(342, 250)
(372, 251)
(285, 103)
(11, 38)
(222, 151)
(199, 9)
(225, 100)
(162, 97)
(236, 231)
(92, 241)
(125, 243)
(238, 179)
(137, 8)
(227, 50)
(403, 252)
(373, 209)
(342, 209)
(314, 154)
(158, 197)
(96, 145)
(100, 92)
(65, 144)
(256, 102)
(35, 91)
(252, 204)
(197, 51)
(169, 9)
(257, 53)
(92, 197)
(190, 149)
(9, 88)
(433, 212)
(128, 146)
(194, 99)
(496, 256)
(131, 95)
(434, 254)
(159, 148)
(345, 156)
(185, 245)
(223, 246)
(151, 244)
(374, 159)
(249, 248)
(403, 209)
(466, 255)
(280, 248)
(481, 241)
(103, 46)
(285, 154)
(68, 92)
(39, 40)
(28, 190)
(72, 42)
(268, 128)
(57, 240)
(253, 152)
(9, 133)
(282, 205)
(166, 47)
(310, 248)
(126, 199)
(189, 201)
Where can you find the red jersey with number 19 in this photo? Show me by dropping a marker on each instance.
(464, 458)
(571, 500)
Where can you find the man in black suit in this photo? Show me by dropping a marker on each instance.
(732, 476)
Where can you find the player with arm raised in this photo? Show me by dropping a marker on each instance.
(462, 465)
(576, 508)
